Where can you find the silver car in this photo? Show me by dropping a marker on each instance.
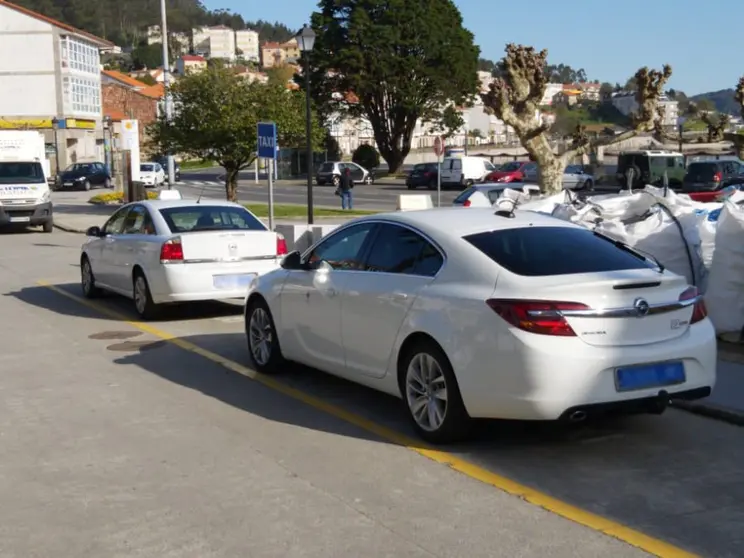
(575, 177)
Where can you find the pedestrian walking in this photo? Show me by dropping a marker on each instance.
(344, 189)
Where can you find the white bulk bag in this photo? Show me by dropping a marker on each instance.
(725, 295)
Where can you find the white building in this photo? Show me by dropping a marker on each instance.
(246, 42)
(179, 39)
(551, 90)
(625, 102)
(50, 77)
(214, 42)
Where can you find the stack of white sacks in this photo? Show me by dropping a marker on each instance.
(702, 241)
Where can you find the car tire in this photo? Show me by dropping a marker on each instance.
(432, 185)
(48, 226)
(88, 280)
(336, 181)
(86, 185)
(425, 369)
(588, 186)
(261, 337)
(143, 303)
(369, 180)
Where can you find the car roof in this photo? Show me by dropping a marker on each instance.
(460, 221)
(170, 204)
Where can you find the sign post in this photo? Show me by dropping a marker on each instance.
(267, 150)
(439, 151)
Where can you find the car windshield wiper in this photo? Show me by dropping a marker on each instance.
(640, 254)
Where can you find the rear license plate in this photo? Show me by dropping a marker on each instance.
(649, 375)
(20, 219)
(225, 282)
(67, 184)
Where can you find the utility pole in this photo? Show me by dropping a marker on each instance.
(166, 83)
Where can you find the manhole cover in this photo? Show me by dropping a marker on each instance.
(132, 346)
(108, 335)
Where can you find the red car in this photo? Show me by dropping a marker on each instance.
(508, 172)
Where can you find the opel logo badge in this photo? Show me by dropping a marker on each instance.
(641, 307)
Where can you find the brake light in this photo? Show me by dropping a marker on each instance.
(466, 203)
(171, 251)
(536, 316)
(699, 311)
(281, 245)
(717, 177)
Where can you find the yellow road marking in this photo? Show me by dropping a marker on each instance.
(577, 515)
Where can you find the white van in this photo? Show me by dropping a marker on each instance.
(25, 197)
(462, 172)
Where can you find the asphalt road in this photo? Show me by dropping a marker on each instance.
(122, 438)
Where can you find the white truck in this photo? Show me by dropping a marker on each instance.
(25, 196)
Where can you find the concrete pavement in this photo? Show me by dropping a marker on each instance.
(116, 444)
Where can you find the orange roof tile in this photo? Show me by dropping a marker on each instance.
(193, 58)
(156, 91)
(271, 45)
(115, 114)
(123, 78)
(56, 23)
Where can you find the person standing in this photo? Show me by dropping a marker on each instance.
(345, 189)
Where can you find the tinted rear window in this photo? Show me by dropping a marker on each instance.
(702, 172)
(210, 218)
(326, 167)
(544, 251)
(464, 195)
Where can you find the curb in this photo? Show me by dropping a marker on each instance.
(709, 410)
(65, 228)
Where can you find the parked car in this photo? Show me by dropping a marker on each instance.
(163, 162)
(152, 174)
(649, 167)
(169, 251)
(461, 172)
(423, 174)
(575, 177)
(485, 195)
(477, 314)
(330, 173)
(83, 176)
(704, 179)
(508, 172)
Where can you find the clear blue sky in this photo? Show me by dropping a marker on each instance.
(703, 42)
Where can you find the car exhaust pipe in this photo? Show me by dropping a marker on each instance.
(660, 403)
(577, 416)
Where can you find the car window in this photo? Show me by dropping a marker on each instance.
(146, 168)
(456, 164)
(158, 168)
(344, 249)
(546, 251)
(489, 166)
(701, 172)
(495, 194)
(510, 167)
(138, 221)
(395, 249)
(196, 218)
(462, 198)
(114, 224)
(420, 168)
(430, 261)
(326, 167)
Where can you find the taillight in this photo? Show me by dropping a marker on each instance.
(466, 203)
(699, 311)
(281, 245)
(717, 177)
(536, 316)
(171, 251)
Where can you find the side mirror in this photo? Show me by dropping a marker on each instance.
(293, 260)
(94, 231)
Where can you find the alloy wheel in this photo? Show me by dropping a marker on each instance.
(260, 336)
(140, 294)
(426, 392)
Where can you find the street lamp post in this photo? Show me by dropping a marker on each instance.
(166, 84)
(55, 127)
(305, 41)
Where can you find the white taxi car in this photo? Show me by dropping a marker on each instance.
(152, 174)
(485, 314)
(168, 251)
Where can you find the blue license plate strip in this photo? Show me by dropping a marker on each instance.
(234, 281)
(659, 374)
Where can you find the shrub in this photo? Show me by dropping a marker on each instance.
(111, 198)
(366, 156)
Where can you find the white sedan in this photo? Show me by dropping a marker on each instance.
(152, 174)
(484, 314)
(169, 251)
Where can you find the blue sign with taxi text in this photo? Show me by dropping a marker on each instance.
(267, 140)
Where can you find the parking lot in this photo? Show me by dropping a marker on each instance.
(158, 438)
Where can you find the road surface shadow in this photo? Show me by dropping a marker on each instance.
(43, 297)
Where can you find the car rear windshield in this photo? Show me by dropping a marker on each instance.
(147, 168)
(464, 195)
(545, 251)
(701, 172)
(326, 167)
(210, 218)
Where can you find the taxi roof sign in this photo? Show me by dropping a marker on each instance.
(170, 195)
